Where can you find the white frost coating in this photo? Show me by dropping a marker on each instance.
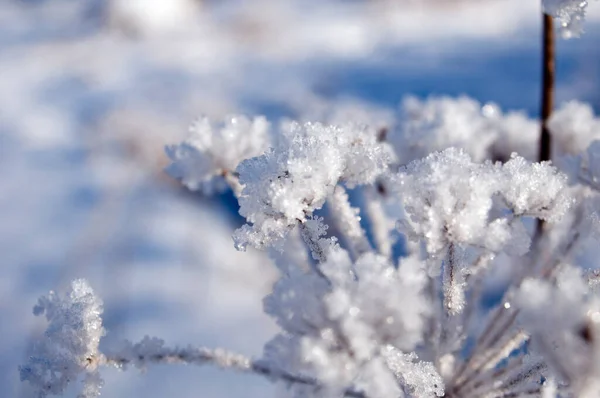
(535, 294)
(70, 346)
(347, 220)
(565, 334)
(334, 327)
(535, 189)
(152, 350)
(449, 199)
(573, 127)
(291, 180)
(381, 224)
(421, 378)
(213, 150)
(593, 161)
(438, 123)
(372, 300)
(569, 13)
(483, 131)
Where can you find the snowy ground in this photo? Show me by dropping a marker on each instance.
(92, 90)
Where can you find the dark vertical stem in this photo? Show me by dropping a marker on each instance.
(548, 78)
(547, 86)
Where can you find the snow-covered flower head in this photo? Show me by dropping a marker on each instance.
(213, 150)
(573, 127)
(449, 199)
(439, 123)
(349, 327)
(70, 346)
(295, 177)
(483, 131)
(563, 317)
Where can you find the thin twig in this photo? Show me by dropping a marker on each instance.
(549, 71)
(347, 220)
(547, 100)
(378, 220)
(233, 180)
(315, 245)
(449, 281)
(203, 356)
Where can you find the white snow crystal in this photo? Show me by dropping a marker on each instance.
(573, 127)
(483, 131)
(334, 328)
(213, 150)
(286, 184)
(569, 13)
(70, 344)
(449, 199)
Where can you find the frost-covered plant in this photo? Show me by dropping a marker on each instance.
(366, 309)
(356, 320)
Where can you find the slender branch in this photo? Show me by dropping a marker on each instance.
(295, 379)
(347, 220)
(380, 226)
(314, 242)
(547, 99)
(151, 351)
(316, 246)
(548, 76)
(453, 294)
(482, 381)
(500, 321)
(233, 180)
(490, 359)
(145, 353)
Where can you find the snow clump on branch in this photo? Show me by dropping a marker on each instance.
(294, 178)
(569, 13)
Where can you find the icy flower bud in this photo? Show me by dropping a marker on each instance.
(448, 199)
(212, 150)
(569, 13)
(483, 131)
(573, 127)
(291, 180)
(535, 189)
(70, 344)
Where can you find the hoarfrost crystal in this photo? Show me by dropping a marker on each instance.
(70, 347)
(295, 177)
(570, 14)
(212, 151)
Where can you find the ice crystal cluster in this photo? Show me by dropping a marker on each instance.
(70, 347)
(214, 150)
(569, 13)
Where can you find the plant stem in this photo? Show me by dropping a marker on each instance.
(141, 356)
(549, 71)
(547, 99)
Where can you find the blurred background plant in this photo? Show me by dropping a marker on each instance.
(91, 91)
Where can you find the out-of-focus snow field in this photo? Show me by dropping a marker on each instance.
(92, 90)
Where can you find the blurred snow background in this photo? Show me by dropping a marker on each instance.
(92, 90)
